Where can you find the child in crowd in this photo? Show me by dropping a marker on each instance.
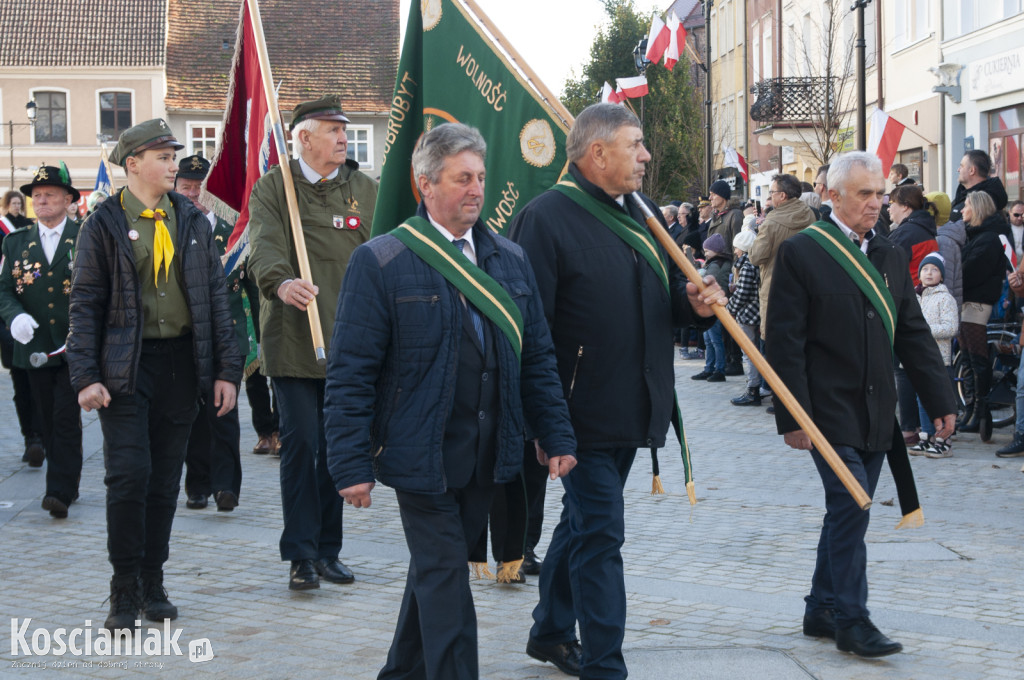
(717, 263)
(940, 311)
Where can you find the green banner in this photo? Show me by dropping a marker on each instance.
(451, 71)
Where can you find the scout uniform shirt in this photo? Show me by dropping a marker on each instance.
(31, 285)
(165, 313)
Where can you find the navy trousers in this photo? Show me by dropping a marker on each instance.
(213, 462)
(840, 574)
(581, 580)
(311, 504)
(435, 638)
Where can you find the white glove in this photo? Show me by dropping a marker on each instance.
(23, 328)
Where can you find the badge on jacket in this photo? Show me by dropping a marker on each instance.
(352, 222)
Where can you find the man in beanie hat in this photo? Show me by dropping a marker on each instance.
(212, 461)
(724, 220)
(336, 204)
(150, 331)
(35, 283)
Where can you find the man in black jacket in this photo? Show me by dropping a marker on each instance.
(611, 313)
(150, 329)
(973, 174)
(831, 343)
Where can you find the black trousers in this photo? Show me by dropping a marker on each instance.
(31, 428)
(262, 403)
(144, 439)
(56, 406)
(436, 636)
(312, 507)
(212, 460)
(517, 513)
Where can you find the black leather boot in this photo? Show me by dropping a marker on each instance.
(981, 417)
(125, 603)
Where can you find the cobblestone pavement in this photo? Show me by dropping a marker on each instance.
(722, 580)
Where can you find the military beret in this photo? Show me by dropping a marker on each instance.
(327, 107)
(152, 134)
(52, 176)
(193, 167)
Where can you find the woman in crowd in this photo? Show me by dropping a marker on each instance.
(12, 211)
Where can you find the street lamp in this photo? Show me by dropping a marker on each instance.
(641, 62)
(30, 111)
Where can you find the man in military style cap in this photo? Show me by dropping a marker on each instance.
(150, 331)
(336, 204)
(35, 283)
(212, 462)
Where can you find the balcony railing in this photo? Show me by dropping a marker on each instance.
(793, 100)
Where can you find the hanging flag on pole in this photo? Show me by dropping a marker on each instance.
(733, 159)
(884, 138)
(611, 96)
(657, 40)
(103, 182)
(632, 87)
(676, 41)
(453, 70)
(246, 150)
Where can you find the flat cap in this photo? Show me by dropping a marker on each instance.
(327, 107)
(151, 134)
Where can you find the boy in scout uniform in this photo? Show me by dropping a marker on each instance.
(213, 464)
(150, 332)
(336, 204)
(35, 283)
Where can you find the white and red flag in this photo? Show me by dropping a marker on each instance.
(611, 96)
(657, 40)
(884, 138)
(246, 151)
(677, 39)
(632, 88)
(733, 159)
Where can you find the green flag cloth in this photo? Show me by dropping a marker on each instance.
(451, 71)
(480, 289)
(859, 268)
(642, 242)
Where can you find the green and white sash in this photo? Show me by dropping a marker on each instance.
(642, 242)
(480, 290)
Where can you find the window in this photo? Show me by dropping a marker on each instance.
(51, 117)
(202, 139)
(964, 16)
(360, 145)
(768, 55)
(755, 62)
(911, 22)
(115, 113)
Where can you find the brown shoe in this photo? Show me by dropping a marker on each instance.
(264, 446)
(275, 444)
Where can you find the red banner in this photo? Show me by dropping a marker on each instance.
(246, 151)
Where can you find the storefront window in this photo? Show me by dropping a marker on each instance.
(1005, 128)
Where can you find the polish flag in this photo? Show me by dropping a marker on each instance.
(676, 40)
(611, 96)
(733, 159)
(884, 138)
(632, 87)
(658, 40)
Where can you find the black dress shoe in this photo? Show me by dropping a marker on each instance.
(863, 639)
(334, 571)
(56, 506)
(820, 623)
(226, 501)
(303, 576)
(35, 454)
(531, 565)
(197, 501)
(566, 656)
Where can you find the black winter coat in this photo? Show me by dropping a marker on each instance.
(993, 186)
(828, 345)
(984, 263)
(610, 316)
(105, 340)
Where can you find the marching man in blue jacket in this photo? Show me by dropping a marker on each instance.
(440, 357)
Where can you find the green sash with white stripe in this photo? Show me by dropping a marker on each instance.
(642, 242)
(480, 290)
(859, 268)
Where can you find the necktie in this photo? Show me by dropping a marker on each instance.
(478, 324)
(49, 245)
(163, 247)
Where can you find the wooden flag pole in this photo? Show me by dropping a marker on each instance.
(778, 387)
(312, 310)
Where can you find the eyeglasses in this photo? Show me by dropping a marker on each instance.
(1016, 214)
(819, 184)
